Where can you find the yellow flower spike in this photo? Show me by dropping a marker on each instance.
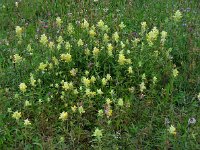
(143, 27)
(95, 51)
(17, 58)
(85, 24)
(108, 77)
(27, 103)
(22, 87)
(68, 46)
(18, 31)
(32, 80)
(121, 59)
(175, 72)
(163, 37)
(105, 38)
(58, 21)
(87, 52)
(142, 87)
(51, 45)
(122, 25)
(110, 49)
(115, 36)
(177, 16)
(63, 116)
(42, 66)
(74, 108)
(92, 79)
(130, 70)
(66, 57)
(55, 60)
(92, 33)
(97, 134)
(100, 24)
(104, 81)
(120, 102)
(81, 110)
(73, 72)
(60, 40)
(99, 91)
(16, 115)
(27, 122)
(86, 81)
(152, 36)
(172, 130)
(80, 43)
(43, 39)
(70, 28)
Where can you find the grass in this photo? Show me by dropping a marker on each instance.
(136, 118)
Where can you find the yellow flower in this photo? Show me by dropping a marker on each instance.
(23, 87)
(43, 39)
(175, 72)
(152, 36)
(130, 70)
(100, 24)
(163, 37)
(66, 57)
(74, 108)
(86, 81)
(55, 60)
(177, 16)
(172, 130)
(110, 48)
(92, 33)
(17, 58)
(81, 110)
(27, 103)
(70, 28)
(120, 102)
(104, 81)
(51, 45)
(18, 31)
(59, 21)
(115, 37)
(122, 25)
(27, 122)
(142, 87)
(97, 133)
(60, 40)
(121, 59)
(85, 24)
(68, 46)
(92, 79)
(99, 91)
(105, 38)
(67, 86)
(32, 80)
(198, 96)
(16, 115)
(80, 42)
(95, 51)
(108, 77)
(87, 52)
(73, 72)
(63, 116)
(100, 113)
(42, 66)
(143, 27)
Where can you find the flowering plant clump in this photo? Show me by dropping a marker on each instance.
(92, 83)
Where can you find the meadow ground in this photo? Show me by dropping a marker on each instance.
(100, 74)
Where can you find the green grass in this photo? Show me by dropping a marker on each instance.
(141, 122)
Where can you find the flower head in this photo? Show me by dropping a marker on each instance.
(63, 116)
(18, 31)
(177, 16)
(16, 115)
(98, 133)
(58, 21)
(172, 130)
(23, 87)
(27, 122)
